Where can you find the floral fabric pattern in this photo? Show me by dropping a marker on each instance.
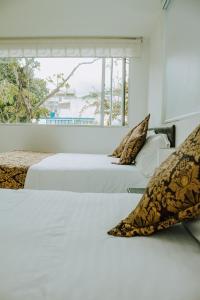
(118, 151)
(134, 143)
(172, 195)
(14, 167)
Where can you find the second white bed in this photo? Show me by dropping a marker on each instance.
(96, 173)
(83, 173)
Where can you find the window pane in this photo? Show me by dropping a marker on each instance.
(78, 101)
(117, 93)
(126, 91)
(66, 91)
(108, 89)
(116, 90)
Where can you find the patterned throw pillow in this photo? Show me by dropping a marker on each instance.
(118, 151)
(134, 143)
(172, 195)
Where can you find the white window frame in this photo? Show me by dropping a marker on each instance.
(99, 47)
(123, 93)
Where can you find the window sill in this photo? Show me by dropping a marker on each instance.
(59, 125)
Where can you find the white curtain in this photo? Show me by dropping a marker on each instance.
(71, 47)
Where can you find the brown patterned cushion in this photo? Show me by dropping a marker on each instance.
(172, 195)
(118, 151)
(134, 143)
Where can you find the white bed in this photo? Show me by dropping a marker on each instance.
(54, 246)
(83, 173)
(96, 173)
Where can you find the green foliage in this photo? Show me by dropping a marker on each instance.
(114, 112)
(22, 95)
(20, 91)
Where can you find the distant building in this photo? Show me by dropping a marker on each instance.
(66, 108)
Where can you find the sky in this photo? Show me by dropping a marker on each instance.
(85, 79)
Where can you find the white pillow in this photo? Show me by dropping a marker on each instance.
(194, 228)
(147, 159)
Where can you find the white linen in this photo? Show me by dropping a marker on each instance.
(148, 158)
(54, 246)
(194, 228)
(83, 173)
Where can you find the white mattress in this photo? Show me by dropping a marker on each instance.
(83, 173)
(54, 246)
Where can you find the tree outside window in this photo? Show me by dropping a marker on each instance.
(68, 91)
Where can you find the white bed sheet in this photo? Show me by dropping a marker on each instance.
(83, 173)
(54, 246)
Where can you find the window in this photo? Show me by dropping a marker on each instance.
(64, 90)
(67, 81)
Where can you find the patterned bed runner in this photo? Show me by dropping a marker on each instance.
(14, 167)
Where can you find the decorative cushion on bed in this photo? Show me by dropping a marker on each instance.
(118, 151)
(134, 143)
(172, 195)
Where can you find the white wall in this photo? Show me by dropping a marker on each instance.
(182, 59)
(59, 138)
(36, 18)
(155, 88)
(82, 139)
(47, 18)
(158, 58)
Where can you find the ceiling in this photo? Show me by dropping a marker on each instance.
(35, 18)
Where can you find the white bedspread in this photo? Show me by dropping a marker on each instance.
(54, 246)
(83, 173)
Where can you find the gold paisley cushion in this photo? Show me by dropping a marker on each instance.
(132, 148)
(134, 143)
(119, 150)
(172, 195)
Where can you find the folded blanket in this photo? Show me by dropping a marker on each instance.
(14, 166)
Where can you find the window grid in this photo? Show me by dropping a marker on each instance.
(115, 100)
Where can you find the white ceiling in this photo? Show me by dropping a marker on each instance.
(27, 18)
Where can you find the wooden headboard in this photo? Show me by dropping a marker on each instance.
(169, 131)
